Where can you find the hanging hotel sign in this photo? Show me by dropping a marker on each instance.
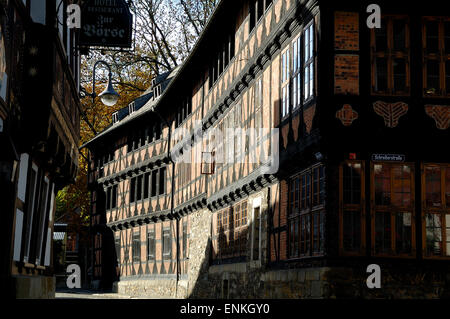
(106, 23)
(388, 157)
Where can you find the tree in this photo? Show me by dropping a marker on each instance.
(166, 31)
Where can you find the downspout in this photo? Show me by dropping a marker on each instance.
(269, 225)
(91, 232)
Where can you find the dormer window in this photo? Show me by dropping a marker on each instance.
(157, 91)
(131, 108)
(115, 117)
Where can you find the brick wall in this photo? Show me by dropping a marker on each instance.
(346, 74)
(346, 30)
(346, 65)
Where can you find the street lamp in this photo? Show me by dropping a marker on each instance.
(109, 96)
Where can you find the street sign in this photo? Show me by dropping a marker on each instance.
(106, 23)
(388, 157)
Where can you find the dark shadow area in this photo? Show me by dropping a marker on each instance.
(234, 246)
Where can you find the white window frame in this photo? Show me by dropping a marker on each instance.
(30, 219)
(18, 235)
(297, 72)
(23, 174)
(285, 77)
(131, 107)
(115, 117)
(308, 63)
(43, 220)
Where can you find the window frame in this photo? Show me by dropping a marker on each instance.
(166, 232)
(154, 183)
(114, 196)
(118, 247)
(294, 80)
(32, 196)
(441, 57)
(136, 246)
(285, 82)
(303, 218)
(231, 241)
(42, 219)
(390, 55)
(257, 11)
(297, 72)
(441, 211)
(258, 114)
(393, 210)
(162, 179)
(151, 245)
(256, 252)
(361, 207)
(132, 189)
(310, 62)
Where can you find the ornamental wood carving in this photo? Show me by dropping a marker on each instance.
(347, 115)
(439, 113)
(390, 112)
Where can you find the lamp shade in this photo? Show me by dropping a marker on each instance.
(109, 96)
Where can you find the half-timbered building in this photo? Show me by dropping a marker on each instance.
(39, 138)
(350, 170)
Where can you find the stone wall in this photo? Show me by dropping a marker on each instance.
(396, 283)
(325, 283)
(199, 253)
(236, 280)
(160, 287)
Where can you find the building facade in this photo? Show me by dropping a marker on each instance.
(39, 75)
(350, 169)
